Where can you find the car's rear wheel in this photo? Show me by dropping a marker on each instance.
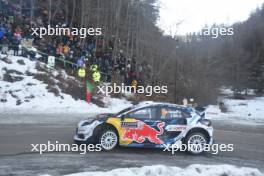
(196, 142)
(108, 139)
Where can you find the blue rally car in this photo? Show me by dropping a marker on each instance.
(147, 124)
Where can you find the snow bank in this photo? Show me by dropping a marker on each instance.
(243, 111)
(252, 109)
(30, 96)
(193, 170)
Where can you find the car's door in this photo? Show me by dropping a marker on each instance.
(175, 119)
(141, 128)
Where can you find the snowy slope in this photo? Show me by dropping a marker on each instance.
(24, 94)
(252, 109)
(193, 170)
(248, 109)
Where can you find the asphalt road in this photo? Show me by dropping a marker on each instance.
(16, 157)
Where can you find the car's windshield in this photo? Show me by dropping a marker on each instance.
(125, 110)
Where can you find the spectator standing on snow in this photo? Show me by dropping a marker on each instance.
(5, 44)
(16, 41)
(17, 34)
(15, 44)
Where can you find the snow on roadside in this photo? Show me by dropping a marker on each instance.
(193, 170)
(242, 111)
(251, 109)
(246, 109)
(30, 96)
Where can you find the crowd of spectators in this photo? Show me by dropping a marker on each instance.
(73, 51)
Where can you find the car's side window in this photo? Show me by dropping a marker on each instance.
(186, 114)
(173, 113)
(145, 113)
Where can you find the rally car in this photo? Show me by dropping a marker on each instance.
(156, 125)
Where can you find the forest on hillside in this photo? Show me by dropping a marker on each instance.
(192, 66)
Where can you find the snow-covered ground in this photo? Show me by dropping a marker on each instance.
(239, 111)
(26, 95)
(30, 96)
(193, 170)
(251, 109)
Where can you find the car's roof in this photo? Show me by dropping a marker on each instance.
(152, 103)
(149, 103)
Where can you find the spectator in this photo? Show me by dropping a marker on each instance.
(82, 73)
(66, 52)
(1, 33)
(59, 50)
(5, 44)
(82, 53)
(96, 76)
(15, 44)
(80, 62)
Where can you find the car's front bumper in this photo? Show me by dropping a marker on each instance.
(80, 137)
(85, 133)
(83, 138)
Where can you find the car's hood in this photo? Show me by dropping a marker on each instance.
(104, 116)
(99, 116)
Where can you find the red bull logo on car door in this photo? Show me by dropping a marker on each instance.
(139, 131)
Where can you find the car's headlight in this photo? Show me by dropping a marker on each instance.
(87, 122)
(206, 122)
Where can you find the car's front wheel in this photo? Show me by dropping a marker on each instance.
(196, 142)
(108, 139)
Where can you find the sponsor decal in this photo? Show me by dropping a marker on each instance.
(143, 132)
(176, 127)
(129, 124)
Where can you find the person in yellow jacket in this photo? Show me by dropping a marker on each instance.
(81, 73)
(95, 73)
(96, 76)
(134, 85)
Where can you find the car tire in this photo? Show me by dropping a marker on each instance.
(108, 139)
(198, 139)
